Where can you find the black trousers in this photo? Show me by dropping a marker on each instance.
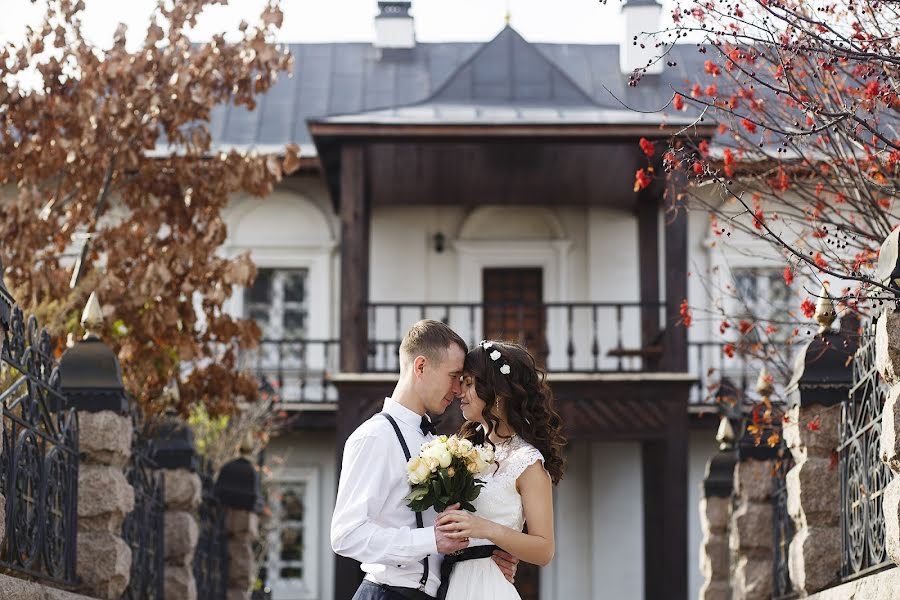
(372, 591)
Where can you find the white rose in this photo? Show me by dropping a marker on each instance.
(465, 446)
(418, 471)
(445, 459)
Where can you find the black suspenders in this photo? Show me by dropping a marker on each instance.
(419, 524)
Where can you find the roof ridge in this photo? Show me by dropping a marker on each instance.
(504, 34)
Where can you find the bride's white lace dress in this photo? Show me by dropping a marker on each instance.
(499, 501)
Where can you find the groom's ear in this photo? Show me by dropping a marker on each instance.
(419, 365)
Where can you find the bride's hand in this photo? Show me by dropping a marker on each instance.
(461, 524)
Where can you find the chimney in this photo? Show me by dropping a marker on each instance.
(394, 26)
(641, 16)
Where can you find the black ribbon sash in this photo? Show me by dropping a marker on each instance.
(451, 559)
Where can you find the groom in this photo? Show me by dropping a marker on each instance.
(372, 523)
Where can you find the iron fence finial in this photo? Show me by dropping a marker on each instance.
(92, 317)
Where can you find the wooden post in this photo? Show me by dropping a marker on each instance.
(676, 252)
(652, 463)
(648, 261)
(354, 212)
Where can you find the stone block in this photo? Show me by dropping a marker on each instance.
(241, 564)
(242, 524)
(715, 590)
(715, 559)
(20, 589)
(183, 489)
(104, 498)
(887, 345)
(812, 431)
(814, 558)
(237, 594)
(813, 493)
(103, 564)
(179, 584)
(890, 502)
(714, 515)
(751, 531)
(181, 533)
(753, 479)
(104, 437)
(890, 430)
(752, 579)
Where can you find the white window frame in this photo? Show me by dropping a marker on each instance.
(306, 588)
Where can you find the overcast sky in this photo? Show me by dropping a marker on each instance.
(583, 21)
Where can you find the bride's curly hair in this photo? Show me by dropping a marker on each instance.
(529, 401)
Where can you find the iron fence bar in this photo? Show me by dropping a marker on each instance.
(39, 466)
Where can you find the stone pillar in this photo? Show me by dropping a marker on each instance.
(887, 360)
(183, 493)
(751, 526)
(238, 491)
(174, 452)
(91, 381)
(243, 532)
(715, 512)
(104, 498)
(821, 381)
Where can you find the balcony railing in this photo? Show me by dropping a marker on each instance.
(295, 371)
(738, 362)
(564, 337)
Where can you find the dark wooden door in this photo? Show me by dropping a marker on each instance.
(513, 311)
(513, 308)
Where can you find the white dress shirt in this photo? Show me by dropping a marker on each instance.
(372, 522)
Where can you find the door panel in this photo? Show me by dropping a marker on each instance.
(513, 308)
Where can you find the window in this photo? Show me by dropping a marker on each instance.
(762, 295)
(291, 565)
(278, 302)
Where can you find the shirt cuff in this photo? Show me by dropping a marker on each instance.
(423, 541)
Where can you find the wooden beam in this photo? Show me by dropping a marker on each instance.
(652, 475)
(648, 261)
(676, 252)
(674, 539)
(354, 213)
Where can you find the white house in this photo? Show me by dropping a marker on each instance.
(489, 185)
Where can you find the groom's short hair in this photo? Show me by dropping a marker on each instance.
(430, 339)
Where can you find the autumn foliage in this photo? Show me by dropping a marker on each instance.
(111, 184)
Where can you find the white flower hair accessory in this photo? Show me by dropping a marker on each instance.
(495, 356)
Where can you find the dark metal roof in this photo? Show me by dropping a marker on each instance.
(506, 78)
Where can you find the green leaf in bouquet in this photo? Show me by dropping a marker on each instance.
(418, 492)
(467, 506)
(444, 476)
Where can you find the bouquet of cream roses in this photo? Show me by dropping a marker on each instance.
(445, 472)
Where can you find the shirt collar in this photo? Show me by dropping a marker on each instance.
(401, 413)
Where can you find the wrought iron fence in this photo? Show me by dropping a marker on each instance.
(144, 527)
(39, 464)
(563, 336)
(863, 475)
(211, 555)
(783, 530)
(294, 370)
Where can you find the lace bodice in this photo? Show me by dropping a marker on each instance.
(499, 501)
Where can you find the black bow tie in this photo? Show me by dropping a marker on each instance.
(427, 426)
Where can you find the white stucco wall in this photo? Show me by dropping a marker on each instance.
(312, 454)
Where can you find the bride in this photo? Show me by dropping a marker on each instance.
(506, 404)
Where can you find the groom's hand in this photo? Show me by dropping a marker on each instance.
(508, 564)
(446, 545)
